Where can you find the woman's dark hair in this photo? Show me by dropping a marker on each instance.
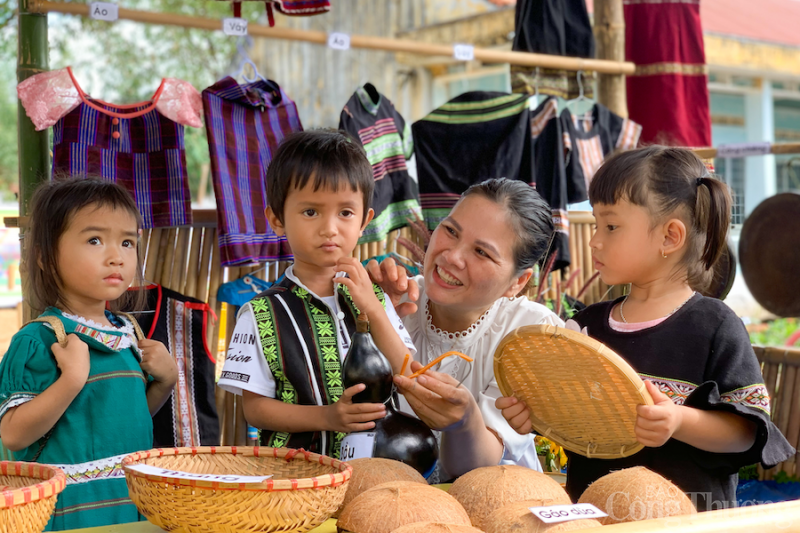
(52, 207)
(672, 182)
(329, 158)
(531, 217)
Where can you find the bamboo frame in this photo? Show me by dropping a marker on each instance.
(777, 149)
(356, 41)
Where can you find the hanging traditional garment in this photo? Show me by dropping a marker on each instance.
(138, 146)
(371, 118)
(588, 140)
(665, 40)
(189, 418)
(245, 124)
(550, 174)
(473, 137)
(555, 27)
(296, 8)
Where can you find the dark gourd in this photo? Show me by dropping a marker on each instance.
(397, 436)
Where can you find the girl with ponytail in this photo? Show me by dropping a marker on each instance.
(662, 223)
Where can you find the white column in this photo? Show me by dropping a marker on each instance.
(760, 175)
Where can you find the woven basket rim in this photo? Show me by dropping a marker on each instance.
(344, 473)
(53, 481)
(600, 350)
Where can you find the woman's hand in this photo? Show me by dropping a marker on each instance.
(437, 398)
(395, 283)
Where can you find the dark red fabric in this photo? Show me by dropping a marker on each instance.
(668, 95)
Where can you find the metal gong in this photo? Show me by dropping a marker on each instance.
(769, 253)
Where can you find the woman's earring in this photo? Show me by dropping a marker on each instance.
(663, 254)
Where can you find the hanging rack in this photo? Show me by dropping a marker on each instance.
(356, 41)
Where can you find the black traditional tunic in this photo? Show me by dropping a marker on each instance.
(700, 357)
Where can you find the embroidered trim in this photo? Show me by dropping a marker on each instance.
(14, 400)
(447, 335)
(677, 391)
(262, 313)
(118, 374)
(184, 407)
(114, 338)
(756, 396)
(102, 504)
(684, 69)
(108, 468)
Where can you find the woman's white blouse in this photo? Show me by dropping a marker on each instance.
(480, 344)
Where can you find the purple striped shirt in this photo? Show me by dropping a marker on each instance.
(144, 154)
(245, 124)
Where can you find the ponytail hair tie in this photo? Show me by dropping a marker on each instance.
(699, 181)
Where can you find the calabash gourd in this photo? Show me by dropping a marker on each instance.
(397, 435)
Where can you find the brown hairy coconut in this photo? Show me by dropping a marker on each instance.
(384, 508)
(370, 472)
(636, 494)
(435, 527)
(486, 489)
(517, 518)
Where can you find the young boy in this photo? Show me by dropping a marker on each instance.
(286, 353)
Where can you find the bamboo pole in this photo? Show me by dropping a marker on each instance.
(152, 254)
(167, 241)
(179, 264)
(34, 146)
(194, 261)
(209, 241)
(356, 41)
(609, 31)
(169, 258)
(778, 149)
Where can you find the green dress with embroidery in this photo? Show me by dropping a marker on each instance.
(107, 420)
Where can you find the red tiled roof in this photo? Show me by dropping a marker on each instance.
(773, 21)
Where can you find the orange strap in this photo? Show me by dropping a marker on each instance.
(437, 361)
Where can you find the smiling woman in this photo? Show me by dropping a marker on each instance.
(478, 260)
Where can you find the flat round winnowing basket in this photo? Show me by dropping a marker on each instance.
(28, 493)
(580, 393)
(304, 491)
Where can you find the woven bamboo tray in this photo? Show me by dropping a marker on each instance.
(305, 490)
(580, 393)
(28, 493)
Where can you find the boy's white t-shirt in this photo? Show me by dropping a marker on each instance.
(246, 368)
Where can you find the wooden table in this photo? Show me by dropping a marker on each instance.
(146, 527)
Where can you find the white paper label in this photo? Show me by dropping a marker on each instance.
(743, 149)
(357, 446)
(565, 513)
(234, 26)
(219, 478)
(464, 52)
(103, 11)
(339, 41)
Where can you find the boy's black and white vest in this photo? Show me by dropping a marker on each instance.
(299, 339)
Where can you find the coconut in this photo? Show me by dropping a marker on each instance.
(517, 517)
(370, 472)
(636, 494)
(435, 527)
(386, 507)
(486, 489)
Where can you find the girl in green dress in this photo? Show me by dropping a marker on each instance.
(84, 406)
